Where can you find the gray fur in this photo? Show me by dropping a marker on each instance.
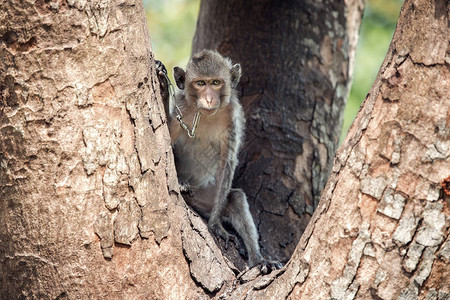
(207, 162)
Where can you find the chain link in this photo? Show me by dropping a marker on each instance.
(190, 132)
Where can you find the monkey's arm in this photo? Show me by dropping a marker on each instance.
(221, 191)
(228, 161)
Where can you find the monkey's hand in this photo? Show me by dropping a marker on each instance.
(218, 230)
(161, 72)
(185, 188)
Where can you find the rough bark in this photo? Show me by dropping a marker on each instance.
(297, 59)
(381, 228)
(86, 171)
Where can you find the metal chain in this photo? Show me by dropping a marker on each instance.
(190, 133)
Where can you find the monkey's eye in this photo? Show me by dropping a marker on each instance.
(215, 82)
(200, 83)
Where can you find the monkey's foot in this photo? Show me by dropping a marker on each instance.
(219, 231)
(267, 266)
(264, 267)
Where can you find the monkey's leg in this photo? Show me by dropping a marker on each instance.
(200, 200)
(219, 192)
(238, 213)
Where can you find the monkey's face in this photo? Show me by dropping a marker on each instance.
(207, 92)
(209, 81)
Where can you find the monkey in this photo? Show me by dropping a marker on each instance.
(206, 155)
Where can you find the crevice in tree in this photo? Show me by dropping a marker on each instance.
(121, 245)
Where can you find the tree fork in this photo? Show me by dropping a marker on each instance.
(297, 61)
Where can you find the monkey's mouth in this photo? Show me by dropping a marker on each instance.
(208, 112)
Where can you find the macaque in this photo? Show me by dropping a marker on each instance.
(206, 154)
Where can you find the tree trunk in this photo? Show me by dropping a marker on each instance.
(381, 228)
(85, 160)
(296, 58)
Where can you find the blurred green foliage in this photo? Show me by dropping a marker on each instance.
(380, 18)
(172, 26)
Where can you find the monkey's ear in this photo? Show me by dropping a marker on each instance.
(235, 75)
(180, 77)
